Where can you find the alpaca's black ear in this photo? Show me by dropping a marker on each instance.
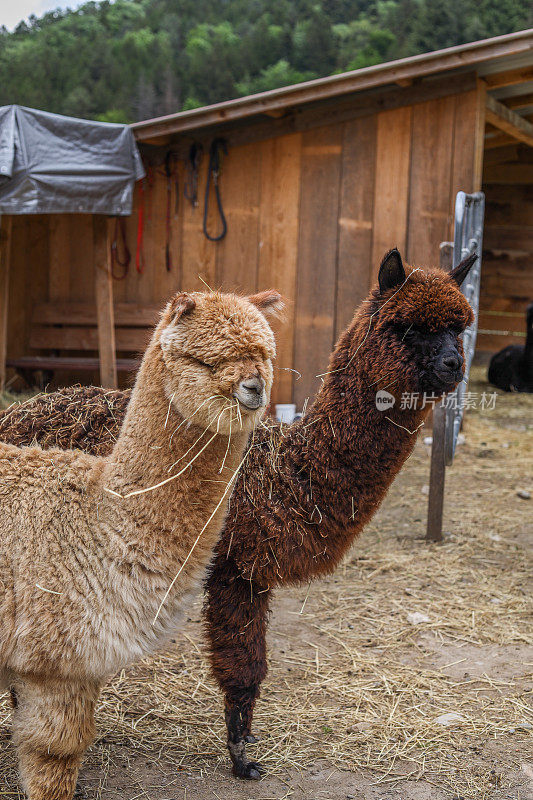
(460, 272)
(391, 271)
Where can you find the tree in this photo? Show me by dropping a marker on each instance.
(314, 44)
(132, 59)
(279, 74)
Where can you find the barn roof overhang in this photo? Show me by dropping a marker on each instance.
(505, 63)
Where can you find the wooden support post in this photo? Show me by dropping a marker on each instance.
(436, 477)
(438, 465)
(5, 251)
(105, 314)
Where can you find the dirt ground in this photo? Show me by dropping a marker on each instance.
(366, 666)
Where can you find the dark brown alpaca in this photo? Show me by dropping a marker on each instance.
(307, 490)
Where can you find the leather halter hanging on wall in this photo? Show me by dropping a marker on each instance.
(192, 167)
(190, 191)
(116, 260)
(213, 174)
(171, 173)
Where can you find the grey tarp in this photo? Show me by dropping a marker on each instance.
(51, 164)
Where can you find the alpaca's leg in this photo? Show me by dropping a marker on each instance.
(238, 713)
(53, 725)
(236, 616)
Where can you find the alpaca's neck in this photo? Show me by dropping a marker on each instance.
(156, 443)
(349, 438)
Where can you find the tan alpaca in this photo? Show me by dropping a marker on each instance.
(87, 554)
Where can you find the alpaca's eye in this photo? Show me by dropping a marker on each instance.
(403, 330)
(456, 330)
(201, 363)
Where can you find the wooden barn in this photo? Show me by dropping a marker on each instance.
(318, 181)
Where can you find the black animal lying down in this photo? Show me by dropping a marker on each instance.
(512, 368)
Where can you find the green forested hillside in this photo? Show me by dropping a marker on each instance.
(134, 59)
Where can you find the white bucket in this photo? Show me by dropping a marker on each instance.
(285, 412)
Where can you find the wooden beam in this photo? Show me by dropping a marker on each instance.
(403, 82)
(509, 78)
(334, 111)
(73, 312)
(277, 113)
(104, 302)
(498, 141)
(508, 121)
(76, 337)
(5, 252)
(521, 101)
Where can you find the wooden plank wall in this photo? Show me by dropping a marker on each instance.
(507, 271)
(309, 213)
(29, 277)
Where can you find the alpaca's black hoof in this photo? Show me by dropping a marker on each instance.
(249, 770)
(251, 739)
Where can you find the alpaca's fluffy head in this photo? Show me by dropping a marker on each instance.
(217, 353)
(418, 317)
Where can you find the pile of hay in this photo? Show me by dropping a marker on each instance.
(22, 423)
(367, 666)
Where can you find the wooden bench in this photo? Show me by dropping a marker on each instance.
(60, 327)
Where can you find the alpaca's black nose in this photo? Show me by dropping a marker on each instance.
(453, 362)
(251, 392)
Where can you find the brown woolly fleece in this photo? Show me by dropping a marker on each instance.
(97, 555)
(307, 490)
